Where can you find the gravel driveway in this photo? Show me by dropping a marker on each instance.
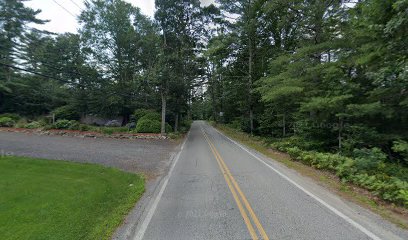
(140, 155)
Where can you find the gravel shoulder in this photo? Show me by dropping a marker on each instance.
(147, 156)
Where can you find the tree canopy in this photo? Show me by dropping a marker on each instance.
(330, 74)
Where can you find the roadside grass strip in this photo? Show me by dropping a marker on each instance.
(46, 199)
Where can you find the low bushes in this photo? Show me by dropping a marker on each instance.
(140, 113)
(401, 147)
(388, 188)
(66, 112)
(368, 168)
(168, 128)
(84, 127)
(185, 126)
(149, 121)
(13, 116)
(33, 125)
(236, 124)
(148, 126)
(21, 123)
(154, 116)
(111, 130)
(66, 124)
(6, 122)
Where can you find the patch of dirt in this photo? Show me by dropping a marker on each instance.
(147, 154)
(88, 134)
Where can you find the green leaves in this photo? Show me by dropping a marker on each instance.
(334, 104)
(368, 169)
(368, 109)
(401, 147)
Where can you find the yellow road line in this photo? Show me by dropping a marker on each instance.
(234, 194)
(244, 199)
(242, 195)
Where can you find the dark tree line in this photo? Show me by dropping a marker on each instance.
(330, 75)
(118, 62)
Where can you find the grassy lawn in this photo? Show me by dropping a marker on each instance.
(44, 199)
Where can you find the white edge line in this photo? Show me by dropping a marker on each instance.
(334, 210)
(153, 207)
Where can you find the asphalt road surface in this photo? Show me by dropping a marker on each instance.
(217, 189)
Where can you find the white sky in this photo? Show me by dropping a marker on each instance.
(62, 21)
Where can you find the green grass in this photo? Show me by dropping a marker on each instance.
(45, 199)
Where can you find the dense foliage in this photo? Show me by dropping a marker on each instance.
(119, 61)
(368, 169)
(332, 74)
(324, 77)
(325, 81)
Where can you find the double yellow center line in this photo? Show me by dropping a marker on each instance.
(239, 197)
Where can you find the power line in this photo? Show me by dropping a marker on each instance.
(58, 68)
(39, 74)
(66, 10)
(76, 4)
(60, 79)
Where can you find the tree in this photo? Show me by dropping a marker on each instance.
(14, 17)
(180, 22)
(113, 33)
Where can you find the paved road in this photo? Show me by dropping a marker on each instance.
(218, 190)
(147, 156)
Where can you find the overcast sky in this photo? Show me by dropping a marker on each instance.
(62, 13)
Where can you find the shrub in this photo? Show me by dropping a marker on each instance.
(111, 130)
(369, 160)
(21, 123)
(388, 188)
(6, 122)
(68, 112)
(13, 116)
(139, 113)
(48, 127)
(185, 126)
(33, 125)
(174, 135)
(236, 124)
(396, 170)
(285, 143)
(73, 125)
(153, 116)
(345, 169)
(66, 124)
(368, 170)
(401, 147)
(84, 127)
(61, 124)
(167, 127)
(107, 131)
(148, 126)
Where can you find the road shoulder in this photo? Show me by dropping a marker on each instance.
(338, 193)
(136, 217)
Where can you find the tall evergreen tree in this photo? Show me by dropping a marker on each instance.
(14, 17)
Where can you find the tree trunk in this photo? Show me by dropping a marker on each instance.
(340, 133)
(284, 125)
(212, 92)
(163, 114)
(176, 122)
(251, 115)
